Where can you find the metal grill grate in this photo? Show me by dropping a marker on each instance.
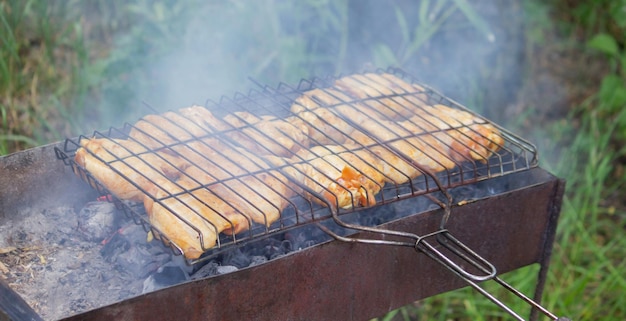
(223, 178)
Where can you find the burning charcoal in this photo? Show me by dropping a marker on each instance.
(287, 245)
(129, 252)
(167, 275)
(133, 233)
(207, 270)
(97, 221)
(256, 260)
(236, 258)
(113, 246)
(136, 261)
(213, 268)
(273, 249)
(296, 239)
(463, 193)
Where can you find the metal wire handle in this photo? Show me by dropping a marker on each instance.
(445, 239)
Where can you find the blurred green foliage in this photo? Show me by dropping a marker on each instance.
(71, 66)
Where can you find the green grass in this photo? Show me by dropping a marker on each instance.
(69, 67)
(41, 55)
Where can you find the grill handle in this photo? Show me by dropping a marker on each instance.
(452, 244)
(487, 268)
(461, 251)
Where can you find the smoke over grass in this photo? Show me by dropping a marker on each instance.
(97, 61)
(176, 54)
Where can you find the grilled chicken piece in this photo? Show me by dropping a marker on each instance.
(314, 110)
(395, 169)
(266, 135)
(192, 219)
(249, 185)
(373, 91)
(426, 151)
(204, 118)
(218, 199)
(469, 137)
(157, 131)
(125, 168)
(220, 160)
(342, 176)
(259, 197)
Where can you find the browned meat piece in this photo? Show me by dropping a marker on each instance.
(395, 169)
(125, 168)
(428, 153)
(192, 220)
(158, 131)
(466, 137)
(247, 182)
(374, 91)
(344, 176)
(214, 199)
(469, 137)
(266, 135)
(204, 118)
(314, 110)
(222, 161)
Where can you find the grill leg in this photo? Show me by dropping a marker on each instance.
(555, 210)
(541, 283)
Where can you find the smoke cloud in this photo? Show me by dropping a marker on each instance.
(190, 52)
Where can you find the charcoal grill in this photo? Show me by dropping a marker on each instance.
(444, 234)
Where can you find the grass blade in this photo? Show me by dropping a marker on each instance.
(475, 19)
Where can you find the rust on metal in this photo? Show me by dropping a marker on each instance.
(344, 281)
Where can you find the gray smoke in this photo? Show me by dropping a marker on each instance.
(194, 51)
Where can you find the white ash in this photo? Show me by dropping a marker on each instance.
(97, 221)
(174, 272)
(56, 261)
(64, 262)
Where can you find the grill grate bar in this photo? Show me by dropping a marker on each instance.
(258, 178)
